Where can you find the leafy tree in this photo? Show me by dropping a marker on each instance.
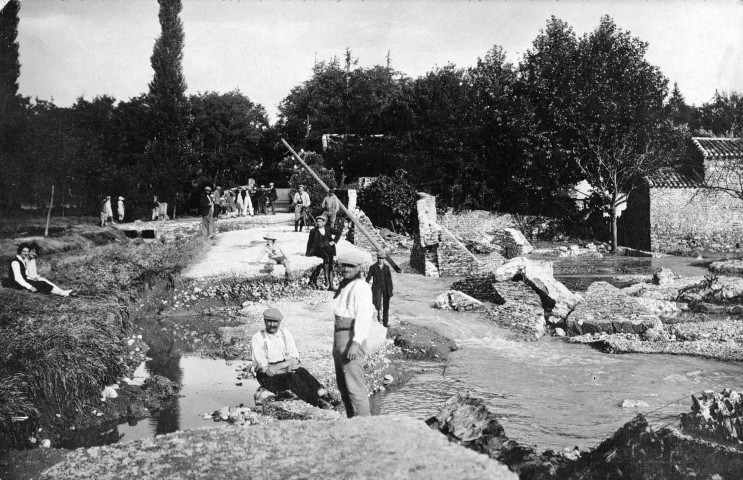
(168, 154)
(621, 132)
(723, 116)
(228, 133)
(10, 67)
(390, 201)
(349, 101)
(679, 112)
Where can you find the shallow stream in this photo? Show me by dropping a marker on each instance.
(547, 393)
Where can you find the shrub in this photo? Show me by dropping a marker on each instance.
(390, 202)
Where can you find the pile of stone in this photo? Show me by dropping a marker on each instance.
(727, 266)
(718, 416)
(239, 415)
(479, 287)
(607, 309)
(670, 287)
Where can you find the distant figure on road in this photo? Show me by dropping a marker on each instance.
(381, 277)
(206, 210)
(272, 197)
(120, 208)
(109, 210)
(352, 309)
(275, 256)
(276, 363)
(103, 211)
(330, 206)
(301, 203)
(18, 276)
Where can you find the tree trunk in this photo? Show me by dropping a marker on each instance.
(614, 222)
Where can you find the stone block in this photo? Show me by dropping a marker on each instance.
(512, 243)
(607, 309)
(458, 301)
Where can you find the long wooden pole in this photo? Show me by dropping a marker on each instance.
(343, 207)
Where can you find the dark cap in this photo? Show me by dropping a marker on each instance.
(273, 314)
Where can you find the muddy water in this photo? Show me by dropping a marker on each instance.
(548, 393)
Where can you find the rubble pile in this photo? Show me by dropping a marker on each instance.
(717, 416)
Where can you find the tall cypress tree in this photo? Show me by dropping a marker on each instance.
(10, 67)
(169, 151)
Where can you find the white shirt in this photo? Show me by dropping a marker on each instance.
(277, 350)
(355, 301)
(304, 197)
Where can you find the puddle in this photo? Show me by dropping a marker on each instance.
(208, 385)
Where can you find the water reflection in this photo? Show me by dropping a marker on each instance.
(165, 361)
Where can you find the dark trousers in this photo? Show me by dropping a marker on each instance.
(381, 302)
(300, 381)
(326, 267)
(273, 210)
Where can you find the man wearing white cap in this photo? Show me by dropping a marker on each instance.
(276, 363)
(353, 310)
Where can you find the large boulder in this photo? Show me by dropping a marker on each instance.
(521, 266)
(522, 311)
(555, 296)
(607, 309)
(512, 243)
(458, 301)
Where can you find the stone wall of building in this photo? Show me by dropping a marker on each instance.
(690, 221)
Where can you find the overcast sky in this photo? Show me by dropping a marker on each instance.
(70, 48)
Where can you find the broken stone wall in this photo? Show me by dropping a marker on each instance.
(476, 221)
(434, 252)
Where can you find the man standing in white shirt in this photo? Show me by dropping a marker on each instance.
(276, 363)
(353, 310)
(301, 201)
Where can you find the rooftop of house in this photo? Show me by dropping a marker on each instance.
(669, 178)
(712, 148)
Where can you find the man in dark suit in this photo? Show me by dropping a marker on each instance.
(381, 276)
(321, 244)
(272, 197)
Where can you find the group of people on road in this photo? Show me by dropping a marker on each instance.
(106, 210)
(244, 201)
(276, 358)
(23, 274)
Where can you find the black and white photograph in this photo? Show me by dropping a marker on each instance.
(371, 239)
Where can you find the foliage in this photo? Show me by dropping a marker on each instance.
(302, 177)
(10, 67)
(228, 134)
(390, 202)
(723, 116)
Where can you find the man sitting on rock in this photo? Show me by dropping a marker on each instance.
(276, 364)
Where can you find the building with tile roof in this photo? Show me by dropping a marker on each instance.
(673, 212)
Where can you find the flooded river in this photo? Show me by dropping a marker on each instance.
(547, 393)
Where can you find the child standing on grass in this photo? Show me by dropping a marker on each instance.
(276, 256)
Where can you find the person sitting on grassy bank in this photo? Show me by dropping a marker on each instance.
(33, 274)
(20, 279)
(276, 363)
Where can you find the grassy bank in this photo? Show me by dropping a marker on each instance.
(57, 353)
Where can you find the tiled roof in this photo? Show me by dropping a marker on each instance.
(719, 147)
(671, 179)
